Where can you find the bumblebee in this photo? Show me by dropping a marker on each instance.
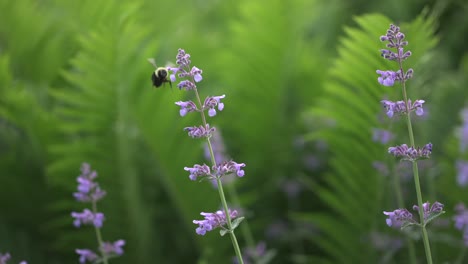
(160, 76)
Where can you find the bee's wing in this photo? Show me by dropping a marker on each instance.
(170, 64)
(153, 62)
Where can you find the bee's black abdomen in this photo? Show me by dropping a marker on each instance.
(156, 80)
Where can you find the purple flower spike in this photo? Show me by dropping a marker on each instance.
(112, 249)
(428, 209)
(86, 255)
(211, 102)
(212, 221)
(88, 190)
(461, 221)
(198, 171)
(186, 107)
(88, 217)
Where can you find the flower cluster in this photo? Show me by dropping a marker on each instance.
(5, 257)
(90, 192)
(212, 221)
(395, 41)
(190, 77)
(461, 221)
(411, 153)
(400, 217)
(399, 107)
(219, 170)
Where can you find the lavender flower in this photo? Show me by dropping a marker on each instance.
(4, 258)
(462, 174)
(400, 108)
(229, 167)
(402, 217)
(411, 153)
(211, 102)
(88, 217)
(200, 131)
(463, 131)
(381, 135)
(461, 221)
(88, 190)
(186, 107)
(213, 221)
(398, 217)
(86, 255)
(198, 171)
(113, 249)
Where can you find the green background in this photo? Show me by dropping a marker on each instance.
(302, 98)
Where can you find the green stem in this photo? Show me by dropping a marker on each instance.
(99, 236)
(399, 196)
(427, 247)
(235, 244)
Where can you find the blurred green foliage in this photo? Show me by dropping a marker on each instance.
(301, 102)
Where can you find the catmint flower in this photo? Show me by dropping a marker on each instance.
(387, 78)
(229, 167)
(399, 107)
(196, 73)
(86, 255)
(461, 221)
(462, 132)
(4, 258)
(111, 249)
(381, 135)
(212, 221)
(88, 217)
(428, 209)
(198, 171)
(201, 131)
(462, 173)
(182, 58)
(188, 85)
(411, 153)
(396, 41)
(211, 102)
(88, 190)
(186, 107)
(398, 217)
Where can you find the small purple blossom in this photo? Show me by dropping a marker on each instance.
(186, 107)
(229, 167)
(212, 221)
(381, 135)
(188, 85)
(198, 171)
(428, 209)
(387, 78)
(200, 131)
(4, 258)
(88, 217)
(88, 190)
(399, 107)
(411, 153)
(461, 221)
(112, 249)
(398, 217)
(197, 74)
(462, 173)
(211, 102)
(86, 255)
(462, 132)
